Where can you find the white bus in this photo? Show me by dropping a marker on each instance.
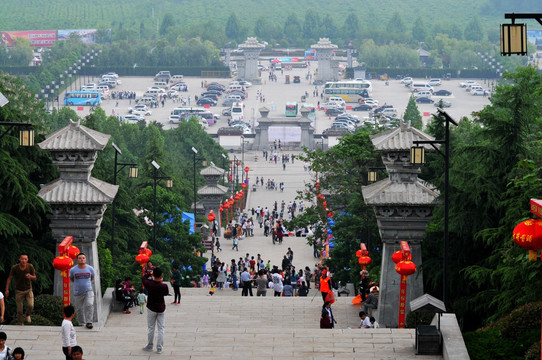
(350, 91)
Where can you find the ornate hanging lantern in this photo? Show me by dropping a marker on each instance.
(528, 235)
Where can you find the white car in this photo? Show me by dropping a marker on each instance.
(371, 102)
(174, 119)
(389, 112)
(133, 117)
(435, 82)
(406, 80)
(142, 109)
(245, 83)
(478, 91)
(467, 83)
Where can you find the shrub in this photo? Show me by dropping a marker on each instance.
(49, 307)
(37, 320)
(521, 320)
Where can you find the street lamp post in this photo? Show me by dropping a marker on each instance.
(169, 184)
(223, 168)
(195, 151)
(417, 157)
(133, 173)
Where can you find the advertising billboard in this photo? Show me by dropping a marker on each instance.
(37, 38)
(88, 36)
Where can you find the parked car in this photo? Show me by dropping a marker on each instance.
(467, 83)
(349, 117)
(478, 91)
(362, 107)
(141, 109)
(343, 126)
(424, 100)
(133, 117)
(245, 83)
(214, 92)
(406, 80)
(226, 111)
(442, 103)
(435, 82)
(334, 111)
(297, 79)
(174, 119)
(206, 101)
(163, 75)
(228, 102)
(210, 96)
(442, 92)
(389, 112)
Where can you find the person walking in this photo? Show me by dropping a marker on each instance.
(261, 282)
(176, 283)
(24, 274)
(246, 280)
(233, 271)
(156, 307)
(82, 276)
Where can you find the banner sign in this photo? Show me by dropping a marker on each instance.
(37, 38)
(87, 36)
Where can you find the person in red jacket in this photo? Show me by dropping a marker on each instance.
(324, 284)
(324, 321)
(156, 305)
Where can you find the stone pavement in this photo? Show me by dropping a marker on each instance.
(229, 326)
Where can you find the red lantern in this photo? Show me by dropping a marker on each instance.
(358, 253)
(227, 205)
(73, 251)
(63, 263)
(320, 196)
(142, 259)
(324, 204)
(247, 169)
(397, 256)
(243, 185)
(237, 196)
(528, 235)
(364, 261)
(405, 268)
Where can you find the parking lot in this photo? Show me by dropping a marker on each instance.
(277, 94)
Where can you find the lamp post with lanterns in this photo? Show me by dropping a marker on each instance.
(417, 157)
(169, 185)
(132, 173)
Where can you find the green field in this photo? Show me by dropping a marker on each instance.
(82, 14)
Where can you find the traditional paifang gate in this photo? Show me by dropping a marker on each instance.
(302, 137)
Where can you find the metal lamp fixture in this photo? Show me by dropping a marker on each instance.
(371, 176)
(417, 155)
(26, 137)
(513, 39)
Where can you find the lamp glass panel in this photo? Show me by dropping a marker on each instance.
(417, 155)
(371, 176)
(26, 137)
(169, 183)
(133, 172)
(513, 39)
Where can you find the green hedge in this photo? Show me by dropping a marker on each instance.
(426, 73)
(125, 70)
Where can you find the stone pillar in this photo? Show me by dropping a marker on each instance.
(261, 141)
(326, 65)
(251, 50)
(78, 201)
(307, 131)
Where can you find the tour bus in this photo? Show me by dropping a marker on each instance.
(350, 91)
(237, 111)
(188, 110)
(87, 98)
(291, 109)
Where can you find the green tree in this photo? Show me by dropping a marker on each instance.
(419, 32)
(351, 27)
(233, 28)
(311, 25)
(473, 30)
(412, 114)
(292, 28)
(396, 25)
(168, 21)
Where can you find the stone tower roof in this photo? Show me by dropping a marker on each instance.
(400, 138)
(212, 170)
(93, 191)
(387, 192)
(75, 137)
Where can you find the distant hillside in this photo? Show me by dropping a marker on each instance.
(81, 14)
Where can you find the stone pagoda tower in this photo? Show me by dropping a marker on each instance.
(78, 201)
(212, 193)
(403, 205)
(328, 69)
(248, 69)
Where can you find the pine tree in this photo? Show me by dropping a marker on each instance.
(412, 114)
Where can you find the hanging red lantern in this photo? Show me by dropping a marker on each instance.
(142, 259)
(243, 185)
(358, 253)
(324, 204)
(63, 263)
(405, 268)
(320, 196)
(73, 251)
(365, 261)
(227, 205)
(397, 256)
(247, 169)
(237, 196)
(528, 235)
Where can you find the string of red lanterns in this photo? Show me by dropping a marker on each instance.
(404, 267)
(143, 257)
(64, 262)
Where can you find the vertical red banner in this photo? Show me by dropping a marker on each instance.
(402, 301)
(65, 289)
